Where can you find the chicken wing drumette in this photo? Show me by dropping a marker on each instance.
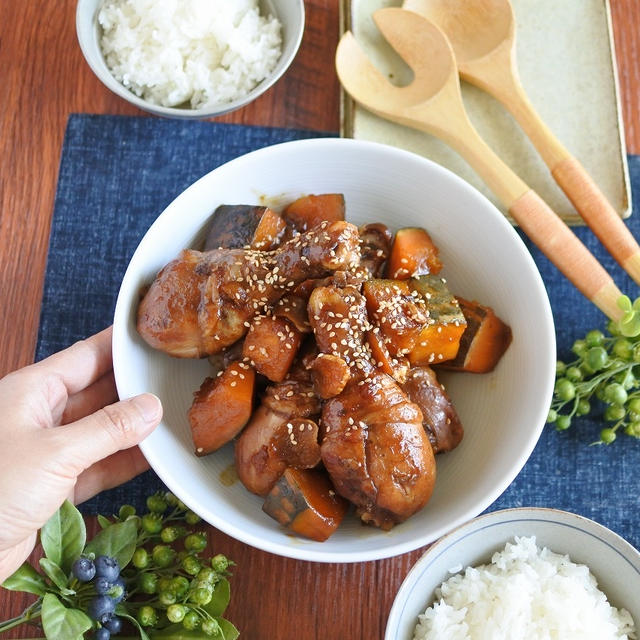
(202, 302)
(374, 445)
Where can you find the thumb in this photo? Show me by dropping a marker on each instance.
(115, 427)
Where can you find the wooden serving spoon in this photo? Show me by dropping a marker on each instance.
(483, 36)
(432, 102)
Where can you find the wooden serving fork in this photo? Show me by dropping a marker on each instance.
(482, 34)
(432, 102)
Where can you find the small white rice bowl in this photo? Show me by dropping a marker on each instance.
(200, 52)
(525, 592)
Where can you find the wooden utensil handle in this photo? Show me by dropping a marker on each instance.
(598, 213)
(556, 240)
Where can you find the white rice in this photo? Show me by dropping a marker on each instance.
(524, 594)
(203, 52)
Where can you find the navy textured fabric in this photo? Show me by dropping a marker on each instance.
(118, 173)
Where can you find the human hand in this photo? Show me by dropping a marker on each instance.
(64, 436)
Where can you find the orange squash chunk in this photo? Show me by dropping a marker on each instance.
(397, 367)
(221, 408)
(271, 345)
(413, 254)
(305, 502)
(312, 210)
(269, 231)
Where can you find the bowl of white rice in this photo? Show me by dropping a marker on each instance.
(522, 574)
(189, 58)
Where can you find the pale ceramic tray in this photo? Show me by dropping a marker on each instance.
(577, 97)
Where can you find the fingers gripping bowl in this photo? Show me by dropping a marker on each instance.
(503, 412)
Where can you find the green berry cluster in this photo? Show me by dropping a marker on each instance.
(606, 369)
(172, 581)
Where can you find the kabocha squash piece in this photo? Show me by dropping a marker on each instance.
(440, 340)
(398, 311)
(312, 210)
(221, 408)
(439, 417)
(413, 254)
(396, 367)
(305, 502)
(271, 345)
(330, 375)
(483, 342)
(235, 226)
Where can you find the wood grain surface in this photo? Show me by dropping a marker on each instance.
(44, 79)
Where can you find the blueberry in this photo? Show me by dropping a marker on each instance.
(114, 625)
(102, 586)
(83, 569)
(101, 608)
(118, 590)
(102, 634)
(107, 567)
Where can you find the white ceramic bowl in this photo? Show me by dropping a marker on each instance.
(291, 14)
(612, 560)
(503, 412)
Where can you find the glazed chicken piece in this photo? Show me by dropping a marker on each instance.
(374, 446)
(273, 439)
(440, 418)
(375, 247)
(201, 303)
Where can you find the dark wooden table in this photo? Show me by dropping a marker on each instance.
(44, 79)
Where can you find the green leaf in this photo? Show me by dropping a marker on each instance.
(63, 536)
(220, 600)
(636, 304)
(624, 303)
(26, 578)
(60, 623)
(57, 576)
(117, 540)
(176, 632)
(228, 630)
(103, 522)
(134, 622)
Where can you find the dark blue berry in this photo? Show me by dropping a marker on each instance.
(102, 586)
(118, 590)
(114, 625)
(107, 567)
(102, 634)
(84, 569)
(101, 608)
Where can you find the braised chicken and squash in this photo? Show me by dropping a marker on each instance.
(327, 338)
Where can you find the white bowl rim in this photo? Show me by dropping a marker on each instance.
(160, 466)
(554, 516)
(219, 109)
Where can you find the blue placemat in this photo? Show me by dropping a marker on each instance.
(118, 173)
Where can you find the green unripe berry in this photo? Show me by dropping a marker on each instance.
(191, 517)
(614, 413)
(565, 390)
(579, 347)
(552, 416)
(191, 620)
(207, 574)
(574, 374)
(613, 328)
(594, 338)
(147, 616)
(148, 582)
(596, 358)
(623, 349)
(615, 393)
(219, 563)
(560, 367)
(156, 503)
(211, 627)
(607, 436)
(167, 598)
(563, 423)
(201, 595)
(125, 511)
(176, 612)
(152, 523)
(140, 559)
(171, 534)
(191, 565)
(164, 584)
(583, 407)
(634, 405)
(180, 586)
(633, 429)
(626, 379)
(195, 542)
(163, 555)
(170, 499)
